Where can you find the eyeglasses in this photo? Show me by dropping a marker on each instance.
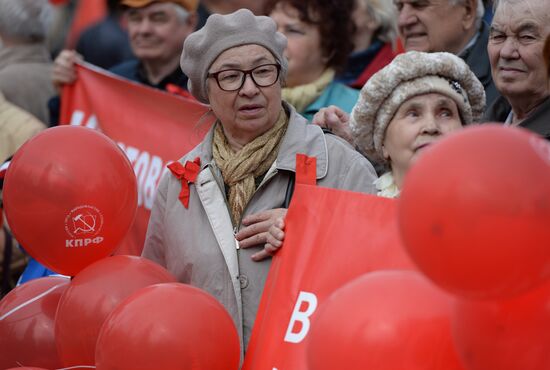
(264, 75)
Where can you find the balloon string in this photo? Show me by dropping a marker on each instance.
(78, 367)
(24, 304)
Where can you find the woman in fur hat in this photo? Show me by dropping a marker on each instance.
(403, 108)
(406, 106)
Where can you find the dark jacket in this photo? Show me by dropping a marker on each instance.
(538, 121)
(105, 44)
(362, 65)
(133, 70)
(477, 59)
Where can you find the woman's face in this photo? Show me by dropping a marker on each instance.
(306, 62)
(418, 122)
(252, 110)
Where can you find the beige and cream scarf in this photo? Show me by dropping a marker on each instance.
(240, 168)
(302, 96)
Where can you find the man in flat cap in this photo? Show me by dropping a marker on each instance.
(157, 30)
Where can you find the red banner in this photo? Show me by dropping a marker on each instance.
(151, 126)
(332, 236)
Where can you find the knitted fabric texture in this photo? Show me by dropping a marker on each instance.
(300, 97)
(405, 77)
(240, 168)
(223, 32)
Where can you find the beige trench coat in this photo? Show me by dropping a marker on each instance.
(198, 245)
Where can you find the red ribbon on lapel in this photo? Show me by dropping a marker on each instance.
(187, 175)
(306, 169)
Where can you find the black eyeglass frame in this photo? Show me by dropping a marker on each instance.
(247, 72)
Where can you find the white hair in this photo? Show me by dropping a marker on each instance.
(26, 20)
(385, 14)
(480, 9)
(181, 13)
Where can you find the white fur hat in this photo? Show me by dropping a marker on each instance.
(411, 74)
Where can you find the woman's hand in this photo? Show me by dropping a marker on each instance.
(335, 120)
(263, 228)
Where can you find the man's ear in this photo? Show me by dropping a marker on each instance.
(469, 15)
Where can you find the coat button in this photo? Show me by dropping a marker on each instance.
(243, 280)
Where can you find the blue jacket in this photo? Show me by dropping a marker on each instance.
(337, 94)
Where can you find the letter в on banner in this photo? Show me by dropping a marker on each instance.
(332, 236)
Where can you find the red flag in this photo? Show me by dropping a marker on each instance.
(332, 237)
(153, 127)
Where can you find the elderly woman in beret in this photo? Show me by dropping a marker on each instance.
(210, 220)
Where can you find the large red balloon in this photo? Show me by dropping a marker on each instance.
(27, 324)
(474, 212)
(505, 335)
(170, 327)
(386, 320)
(92, 295)
(70, 196)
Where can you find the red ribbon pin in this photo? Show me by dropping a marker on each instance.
(187, 174)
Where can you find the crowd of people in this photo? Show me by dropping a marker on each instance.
(364, 86)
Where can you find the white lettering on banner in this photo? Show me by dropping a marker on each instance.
(74, 243)
(140, 168)
(151, 181)
(302, 317)
(77, 119)
(148, 169)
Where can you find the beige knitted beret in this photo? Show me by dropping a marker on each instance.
(411, 74)
(222, 32)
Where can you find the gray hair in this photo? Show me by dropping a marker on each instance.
(497, 3)
(480, 9)
(26, 20)
(181, 13)
(385, 14)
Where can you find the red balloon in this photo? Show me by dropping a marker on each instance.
(474, 212)
(92, 295)
(385, 320)
(26, 368)
(27, 323)
(70, 197)
(505, 335)
(168, 326)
